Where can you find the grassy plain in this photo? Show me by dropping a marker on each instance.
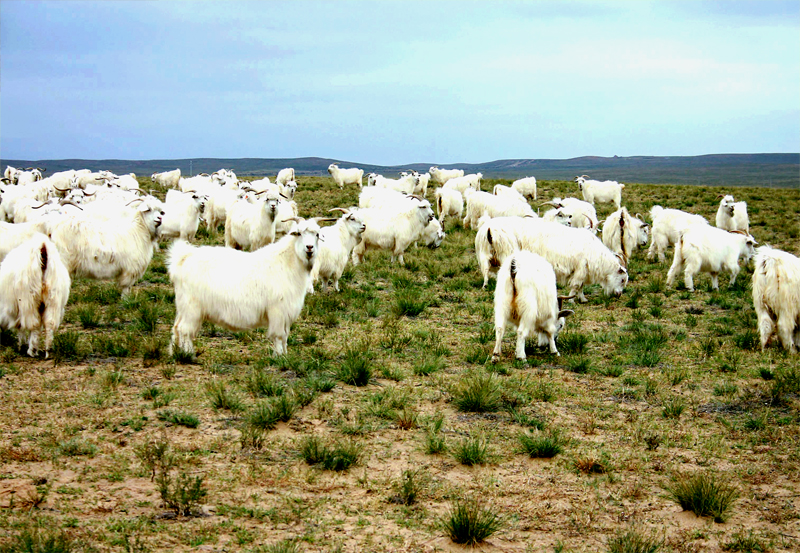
(385, 420)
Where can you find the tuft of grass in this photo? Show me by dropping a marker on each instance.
(339, 456)
(673, 408)
(428, 365)
(88, 315)
(633, 541)
(541, 446)
(178, 417)
(579, 365)
(284, 546)
(478, 393)
(356, 367)
(40, 539)
(260, 383)
(409, 302)
(77, 447)
(473, 450)
(408, 488)
(65, 347)
(222, 398)
(746, 542)
(572, 343)
(468, 523)
(147, 320)
(705, 494)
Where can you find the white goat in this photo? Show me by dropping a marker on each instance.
(482, 203)
(776, 296)
(441, 176)
(335, 247)
(34, 288)
(433, 235)
(578, 257)
(710, 250)
(527, 298)
(526, 187)
(168, 179)
(12, 235)
(345, 176)
(732, 215)
(251, 225)
(394, 228)
(583, 213)
(449, 203)
(600, 191)
(668, 225)
(623, 233)
(405, 184)
(242, 290)
(464, 183)
(103, 249)
(285, 175)
(508, 192)
(181, 215)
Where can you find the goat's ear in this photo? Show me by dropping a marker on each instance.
(565, 313)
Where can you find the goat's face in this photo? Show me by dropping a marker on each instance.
(332, 167)
(749, 248)
(437, 240)
(425, 212)
(563, 217)
(152, 217)
(615, 282)
(290, 188)
(354, 224)
(271, 206)
(306, 244)
(642, 234)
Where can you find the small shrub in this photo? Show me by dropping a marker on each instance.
(705, 494)
(468, 523)
(408, 488)
(472, 451)
(541, 446)
(633, 541)
(593, 465)
(181, 495)
(479, 393)
(652, 441)
(75, 447)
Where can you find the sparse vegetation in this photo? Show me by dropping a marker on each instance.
(678, 380)
(469, 523)
(705, 494)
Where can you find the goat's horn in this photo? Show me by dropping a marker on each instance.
(134, 200)
(38, 206)
(323, 219)
(295, 219)
(282, 196)
(67, 202)
(61, 189)
(343, 210)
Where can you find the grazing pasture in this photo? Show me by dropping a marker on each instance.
(386, 427)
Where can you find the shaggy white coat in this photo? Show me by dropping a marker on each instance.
(703, 248)
(776, 296)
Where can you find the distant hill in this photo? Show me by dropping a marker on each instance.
(771, 170)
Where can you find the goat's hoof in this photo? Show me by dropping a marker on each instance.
(495, 359)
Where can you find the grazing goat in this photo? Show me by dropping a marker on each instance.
(345, 176)
(441, 176)
(776, 296)
(34, 288)
(393, 228)
(464, 183)
(449, 203)
(527, 298)
(583, 213)
(242, 290)
(285, 175)
(623, 233)
(526, 187)
(732, 215)
(710, 250)
(121, 248)
(668, 225)
(168, 179)
(335, 247)
(600, 191)
(482, 203)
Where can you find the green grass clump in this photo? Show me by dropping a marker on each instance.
(705, 494)
(339, 456)
(76, 447)
(673, 408)
(40, 539)
(572, 343)
(468, 523)
(178, 417)
(408, 489)
(478, 393)
(65, 347)
(473, 450)
(89, 316)
(356, 367)
(633, 541)
(541, 446)
(409, 302)
(428, 365)
(222, 398)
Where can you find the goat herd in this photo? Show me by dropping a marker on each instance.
(100, 225)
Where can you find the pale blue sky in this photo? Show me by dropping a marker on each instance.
(397, 82)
